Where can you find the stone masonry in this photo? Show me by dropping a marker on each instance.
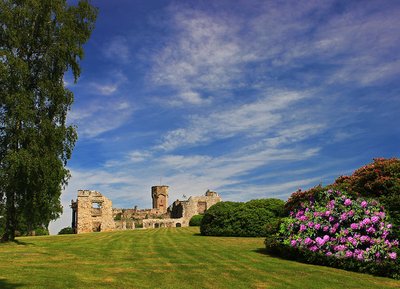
(92, 212)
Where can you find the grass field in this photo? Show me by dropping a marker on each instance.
(162, 258)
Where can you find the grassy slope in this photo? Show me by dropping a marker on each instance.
(162, 258)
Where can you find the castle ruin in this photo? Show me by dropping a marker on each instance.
(93, 212)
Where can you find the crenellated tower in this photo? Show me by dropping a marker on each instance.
(160, 198)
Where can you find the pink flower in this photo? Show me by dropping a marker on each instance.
(293, 243)
(354, 226)
(331, 219)
(371, 230)
(320, 241)
(325, 229)
(302, 228)
(366, 221)
(364, 239)
(328, 254)
(303, 218)
(317, 226)
(387, 243)
(375, 219)
(343, 216)
(364, 204)
(308, 241)
(392, 255)
(350, 213)
(347, 202)
(310, 224)
(314, 248)
(340, 248)
(327, 213)
(389, 226)
(349, 254)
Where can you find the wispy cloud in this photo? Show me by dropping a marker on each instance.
(100, 117)
(105, 89)
(248, 119)
(117, 49)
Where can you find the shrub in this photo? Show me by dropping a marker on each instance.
(196, 220)
(379, 180)
(386, 268)
(41, 231)
(242, 219)
(218, 219)
(66, 230)
(334, 224)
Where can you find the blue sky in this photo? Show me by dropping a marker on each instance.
(252, 99)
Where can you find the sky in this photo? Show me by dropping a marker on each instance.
(252, 99)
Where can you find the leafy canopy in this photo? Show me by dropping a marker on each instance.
(40, 40)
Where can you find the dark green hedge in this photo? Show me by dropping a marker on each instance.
(66, 230)
(196, 220)
(248, 219)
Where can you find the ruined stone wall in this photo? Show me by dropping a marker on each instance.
(93, 212)
(198, 205)
(193, 206)
(164, 223)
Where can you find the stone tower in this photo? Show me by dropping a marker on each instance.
(160, 198)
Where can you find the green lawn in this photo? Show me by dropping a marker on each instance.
(162, 258)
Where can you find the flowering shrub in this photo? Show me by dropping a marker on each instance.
(379, 180)
(334, 224)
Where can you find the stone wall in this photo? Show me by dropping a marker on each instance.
(193, 206)
(164, 223)
(93, 212)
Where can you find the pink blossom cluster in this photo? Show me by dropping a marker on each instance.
(336, 225)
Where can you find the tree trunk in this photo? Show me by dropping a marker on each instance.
(9, 232)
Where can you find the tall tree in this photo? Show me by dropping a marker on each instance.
(40, 40)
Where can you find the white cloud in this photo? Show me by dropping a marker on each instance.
(248, 119)
(99, 117)
(138, 156)
(118, 49)
(105, 89)
(205, 54)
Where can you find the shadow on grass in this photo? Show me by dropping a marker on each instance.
(4, 284)
(264, 251)
(18, 242)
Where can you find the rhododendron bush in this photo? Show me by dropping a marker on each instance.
(334, 224)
